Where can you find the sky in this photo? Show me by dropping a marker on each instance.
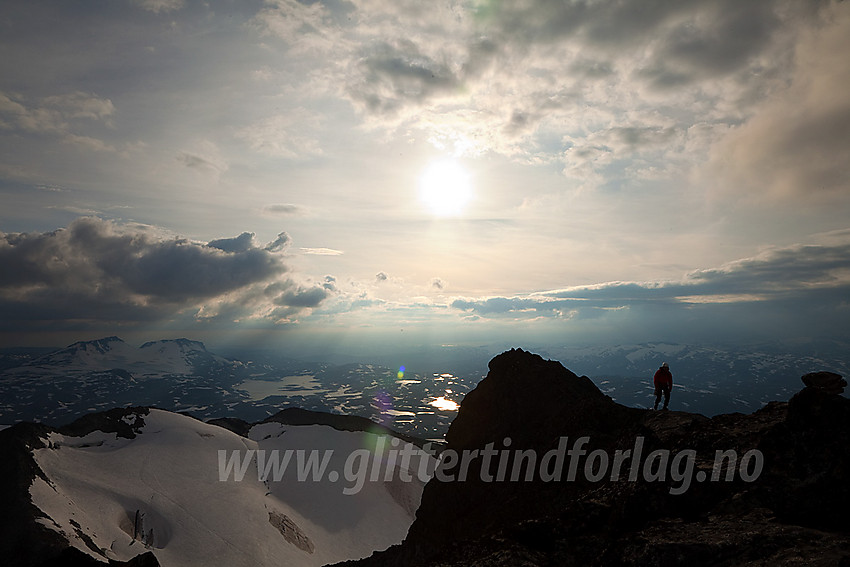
(371, 173)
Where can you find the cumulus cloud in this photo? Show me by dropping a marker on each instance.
(280, 243)
(97, 270)
(241, 243)
(329, 283)
(302, 297)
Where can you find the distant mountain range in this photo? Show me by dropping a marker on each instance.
(59, 385)
(153, 359)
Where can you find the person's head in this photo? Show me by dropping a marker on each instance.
(665, 365)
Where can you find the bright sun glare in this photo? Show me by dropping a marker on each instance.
(445, 188)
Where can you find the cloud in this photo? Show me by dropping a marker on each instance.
(292, 135)
(280, 243)
(541, 80)
(329, 283)
(241, 243)
(53, 114)
(322, 251)
(283, 209)
(160, 6)
(305, 27)
(69, 118)
(715, 40)
(805, 276)
(396, 74)
(194, 161)
(301, 297)
(96, 270)
(796, 145)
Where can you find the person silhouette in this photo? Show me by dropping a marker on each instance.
(663, 381)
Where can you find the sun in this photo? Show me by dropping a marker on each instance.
(445, 188)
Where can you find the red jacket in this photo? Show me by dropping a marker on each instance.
(663, 377)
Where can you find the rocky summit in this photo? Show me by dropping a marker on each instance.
(767, 488)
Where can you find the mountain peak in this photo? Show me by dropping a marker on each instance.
(524, 402)
(523, 393)
(101, 345)
(154, 358)
(183, 343)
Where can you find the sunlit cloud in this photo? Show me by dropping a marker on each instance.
(322, 251)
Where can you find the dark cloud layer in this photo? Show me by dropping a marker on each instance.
(395, 75)
(96, 270)
(804, 284)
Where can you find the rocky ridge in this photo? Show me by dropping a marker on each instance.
(794, 512)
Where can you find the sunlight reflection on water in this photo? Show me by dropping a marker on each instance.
(444, 404)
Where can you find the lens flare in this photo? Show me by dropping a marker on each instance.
(383, 404)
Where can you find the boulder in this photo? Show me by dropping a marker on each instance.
(829, 382)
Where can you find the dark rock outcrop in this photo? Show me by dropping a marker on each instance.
(24, 540)
(533, 403)
(786, 500)
(238, 426)
(123, 422)
(829, 382)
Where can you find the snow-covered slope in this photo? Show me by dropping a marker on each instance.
(152, 359)
(164, 486)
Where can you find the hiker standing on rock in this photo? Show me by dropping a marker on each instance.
(663, 381)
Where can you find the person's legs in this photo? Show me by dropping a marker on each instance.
(666, 397)
(657, 397)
